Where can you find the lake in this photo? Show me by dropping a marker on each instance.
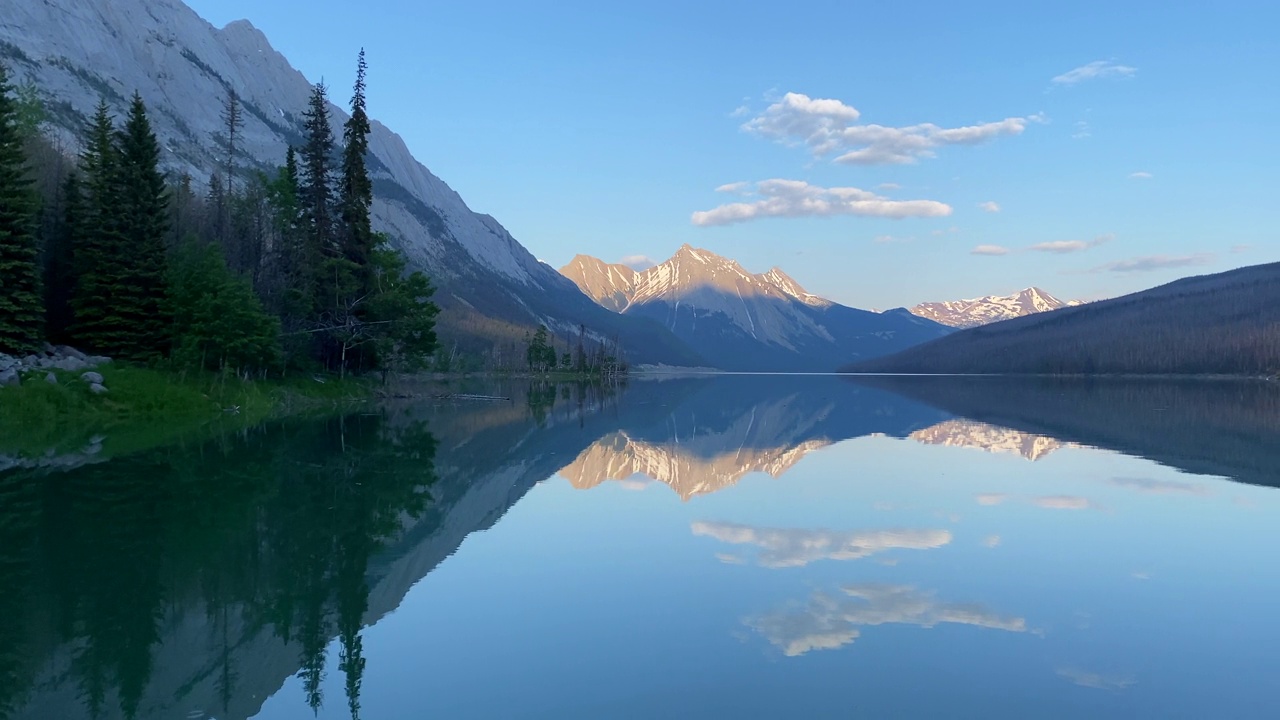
(740, 546)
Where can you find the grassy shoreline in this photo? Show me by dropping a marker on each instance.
(147, 408)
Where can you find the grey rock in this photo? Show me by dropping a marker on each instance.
(9, 378)
(7, 361)
(70, 352)
(79, 52)
(30, 361)
(92, 378)
(71, 363)
(51, 378)
(97, 388)
(50, 349)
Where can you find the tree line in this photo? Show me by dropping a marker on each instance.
(263, 273)
(587, 357)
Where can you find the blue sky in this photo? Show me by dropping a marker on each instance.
(585, 127)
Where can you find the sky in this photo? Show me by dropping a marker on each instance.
(882, 154)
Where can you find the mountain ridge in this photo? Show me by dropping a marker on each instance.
(746, 321)
(490, 288)
(1221, 324)
(973, 312)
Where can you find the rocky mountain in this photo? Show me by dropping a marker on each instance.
(78, 51)
(737, 320)
(1223, 324)
(992, 308)
(990, 438)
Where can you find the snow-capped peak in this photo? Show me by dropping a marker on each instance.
(991, 308)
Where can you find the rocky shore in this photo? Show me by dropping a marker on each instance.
(41, 366)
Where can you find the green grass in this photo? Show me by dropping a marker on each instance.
(147, 408)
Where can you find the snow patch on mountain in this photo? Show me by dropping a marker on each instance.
(992, 308)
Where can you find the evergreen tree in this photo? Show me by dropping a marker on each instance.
(99, 259)
(356, 189)
(315, 181)
(60, 264)
(141, 298)
(21, 314)
(219, 324)
(401, 316)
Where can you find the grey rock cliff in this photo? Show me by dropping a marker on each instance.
(78, 51)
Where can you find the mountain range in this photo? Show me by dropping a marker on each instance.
(737, 320)
(490, 288)
(992, 308)
(1222, 324)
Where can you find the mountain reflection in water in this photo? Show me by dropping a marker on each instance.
(195, 581)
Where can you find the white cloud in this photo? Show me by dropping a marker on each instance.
(1065, 502)
(1141, 175)
(796, 198)
(1094, 680)
(796, 547)
(1159, 487)
(735, 188)
(830, 621)
(1082, 130)
(830, 126)
(990, 250)
(1150, 263)
(1095, 70)
(990, 499)
(990, 206)
(1241, 248)
(992, 541)
(886, 239)
(1062, 247)
(888, 187)
(638, 262)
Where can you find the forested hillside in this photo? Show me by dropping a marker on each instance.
(1227, 323)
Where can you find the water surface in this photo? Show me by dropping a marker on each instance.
(729, 547)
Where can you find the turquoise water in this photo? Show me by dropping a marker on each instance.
(772, 547)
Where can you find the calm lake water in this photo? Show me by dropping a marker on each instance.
(748, 547)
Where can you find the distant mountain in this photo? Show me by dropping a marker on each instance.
(737, 320)
(491, 288)
(1227, 323)
(992, 308)
(990, 438)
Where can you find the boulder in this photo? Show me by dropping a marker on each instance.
(9, 378)
(71, 363)
(92, 378)
(51, 378)
(69, 352)
(50, 349)
(7, 361)
(30, 361)
(97, 388)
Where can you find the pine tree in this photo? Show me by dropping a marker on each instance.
(315, 181)
(99, 260)
(21, 314)
(60, 264)
(356, 189)
(141, 298)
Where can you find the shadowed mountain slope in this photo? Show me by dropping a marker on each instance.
(737, 320)
(1228, 323)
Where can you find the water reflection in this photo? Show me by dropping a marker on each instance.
(829, 621)
(191, 581)
(198, 581)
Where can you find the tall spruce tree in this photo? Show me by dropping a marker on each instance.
(21, 313)
(141, 298)
(356, 189)
(355, 197)
(315, 181)
(99, 261)
(60, 263)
